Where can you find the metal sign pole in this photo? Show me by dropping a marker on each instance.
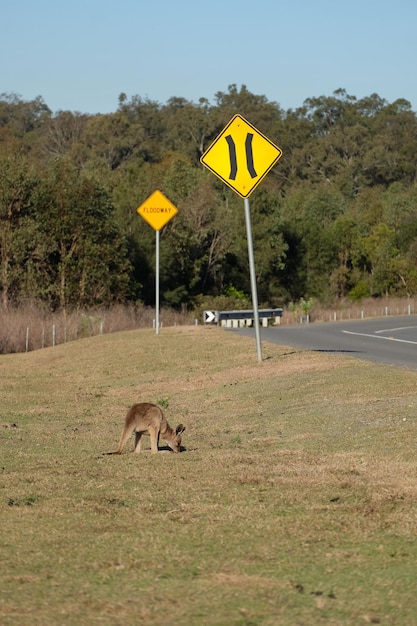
(157, 210)
(157, 283)
(253, 280)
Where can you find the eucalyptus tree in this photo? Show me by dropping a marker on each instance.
(143, 115)
(189, 126)
(259, 111)
(390, 155)
(22, 117)
(17, 184)
(63, 134)
(308, 216)
(108, 143)
(85, 252)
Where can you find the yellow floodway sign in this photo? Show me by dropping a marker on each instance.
(241, 156)
(157, 210)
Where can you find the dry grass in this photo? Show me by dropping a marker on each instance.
(294, 502)
(31, 327)
(346, 310)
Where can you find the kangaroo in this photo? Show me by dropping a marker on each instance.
(146, 417)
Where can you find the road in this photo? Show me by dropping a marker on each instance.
(390, 340)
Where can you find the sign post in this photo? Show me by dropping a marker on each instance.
(253, 279)
(241, 157)
(157, 210)
(157, 282)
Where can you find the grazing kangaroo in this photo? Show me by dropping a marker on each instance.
(149, 418)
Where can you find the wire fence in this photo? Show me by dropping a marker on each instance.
(24, 331)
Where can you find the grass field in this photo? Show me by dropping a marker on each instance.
(294, 503)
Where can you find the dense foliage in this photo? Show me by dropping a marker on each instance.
(336, 218)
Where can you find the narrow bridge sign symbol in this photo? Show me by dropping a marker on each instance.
(241, 156)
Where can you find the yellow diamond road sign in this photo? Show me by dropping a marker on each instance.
(157, 210)
(241, 156)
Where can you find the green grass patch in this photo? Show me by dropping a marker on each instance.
(293, 503)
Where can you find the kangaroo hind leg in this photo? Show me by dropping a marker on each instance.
(127, 431)
(138, 441)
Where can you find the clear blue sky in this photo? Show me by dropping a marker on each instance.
(79, 55)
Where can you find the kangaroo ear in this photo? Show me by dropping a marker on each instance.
(180, 429)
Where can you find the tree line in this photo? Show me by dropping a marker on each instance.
(336, 218)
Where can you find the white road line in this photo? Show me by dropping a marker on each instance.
(349, 332)
(390, 330)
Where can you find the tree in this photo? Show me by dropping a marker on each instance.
(86, 254)
(22, 117)
(188, 126)
(109, 142)
(17, 183)
(382, 254)
(389, 156)
(144, 115)
(62, 132)
(336, 217)
(310, 218)
(343, 233)
(257, 109)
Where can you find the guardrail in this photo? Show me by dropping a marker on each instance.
(236, 319)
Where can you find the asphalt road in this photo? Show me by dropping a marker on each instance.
(390, 340)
